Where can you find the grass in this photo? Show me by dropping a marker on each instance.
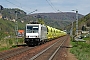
(7, 28)
(81, 50)
(9, 43)
(7, 47)
(4, 48)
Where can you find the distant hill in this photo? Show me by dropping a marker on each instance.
(57, 20)
(67, 16)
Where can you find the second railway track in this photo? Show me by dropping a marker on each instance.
(13, 52)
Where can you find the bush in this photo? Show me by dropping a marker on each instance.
(82, 50)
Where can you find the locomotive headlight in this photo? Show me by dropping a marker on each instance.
(27, 36)
(37, 36)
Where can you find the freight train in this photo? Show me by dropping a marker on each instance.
(36, 34)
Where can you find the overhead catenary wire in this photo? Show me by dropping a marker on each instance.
(20, 6)
(52, 5)
(20, 3)
(14, 4)
(29, 8)
(30, 12)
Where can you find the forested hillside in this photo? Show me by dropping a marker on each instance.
(8, 27)
(57, 20)
(65, 16)
(84, 21)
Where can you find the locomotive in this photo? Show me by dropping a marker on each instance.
(36, 34)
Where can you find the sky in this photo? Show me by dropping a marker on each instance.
(48, 6)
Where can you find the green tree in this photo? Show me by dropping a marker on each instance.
(83, 28)
(41, 21)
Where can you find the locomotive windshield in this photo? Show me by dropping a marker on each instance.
(32, 29)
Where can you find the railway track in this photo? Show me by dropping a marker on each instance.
(50, 52)
(13, 52)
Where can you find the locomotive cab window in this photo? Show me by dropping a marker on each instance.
(32, 29)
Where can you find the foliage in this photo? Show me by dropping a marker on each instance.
(41, 21)
(83, 28)
(11, 13)
(88, 38)
(4, 48)
(81, 50)
(7, 33)
(83, 23)
(8, 43)
(2, 34)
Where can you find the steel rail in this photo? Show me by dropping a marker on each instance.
(43, 51)
(4, 56)
(56, 50)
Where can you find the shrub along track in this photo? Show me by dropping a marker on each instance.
(32, 51)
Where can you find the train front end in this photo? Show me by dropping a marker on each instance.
(32, 35)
